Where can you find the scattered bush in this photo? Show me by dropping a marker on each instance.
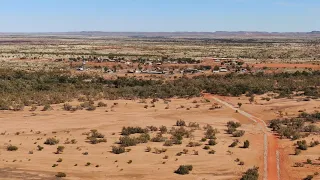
(212, 142)
(184, 169)
(212, 151)
(59, 160)
(132, 130)
(163, 129)
(251, 174)
(102, 104)
(246, 144)
(234, 143)
(238, 133)
(61, 174)
(118, 150)
(206, 147)
(51, 141)
(302, 145)
(180, 123)
(233, 124)
(60, 149)
(12, 148)
(47, 107)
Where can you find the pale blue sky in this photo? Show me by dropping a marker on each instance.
(159, 15)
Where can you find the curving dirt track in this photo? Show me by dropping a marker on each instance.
(272, 167)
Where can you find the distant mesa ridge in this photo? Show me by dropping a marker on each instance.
(176, 34)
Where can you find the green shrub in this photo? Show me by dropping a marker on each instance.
(206, 147)
(238, 133)
(180, 123)
(127, 141)
(60, 149)
(251, 174)
(132, 130)
(309, 177)
(163, 129)
(246, 144)
(158, 138)
(47, 107)
(168, 143)
(184, 169)
(234, 144)
(102, 104)
(118, 150)
(212, 142)
(61, 174)
(233, 124)
(51, 141)
(12, 148)
(212, 151)
(302, 145)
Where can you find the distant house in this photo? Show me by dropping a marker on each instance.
(223, 69)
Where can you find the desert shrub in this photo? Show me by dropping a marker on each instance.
(309, 177)
(118, 150)
(127, 141)
(302, 145)
(129, 162)
(102, 104)
(148, 149)
(210, 132)
(67, 107)
(231, 130)
(12, 148)
(55, 165)
(168, 143)
(298, 164)
(39, 148)
(297, 151)
(180, 133)
(314, 143)
(238, 133)
(94, 140)
(203, 139)
(143, 138)
(47, 107)
(212, 151)
(309, 161)
(206, 147)
(59, 160)
(184, 169)
(91, 108)
(51, 141)
(246, 144)
(179, 153)
(60, 149)
(234, 143)
(33, 108)
(152, 128)
(194, 125)
(180, 123)
(88, 164)
(61, 174)
(251, 174)
(158, 138)
(212, 142)
(163, 129)
(193, 144)
(241, 163)
(233, 124)
(132, 130)
(159, 151)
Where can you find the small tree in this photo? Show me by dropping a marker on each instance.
(239, 104)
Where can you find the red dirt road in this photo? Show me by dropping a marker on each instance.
(272, 145)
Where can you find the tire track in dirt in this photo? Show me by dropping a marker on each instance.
(271, 153)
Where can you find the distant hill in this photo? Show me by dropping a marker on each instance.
(217, 34)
